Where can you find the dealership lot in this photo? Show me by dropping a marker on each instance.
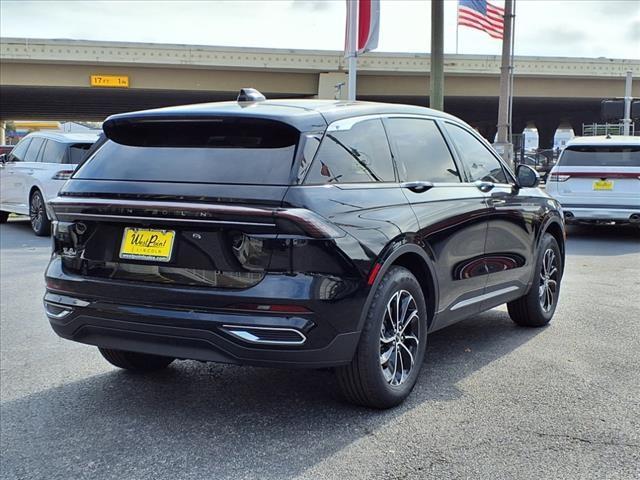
(494, 401)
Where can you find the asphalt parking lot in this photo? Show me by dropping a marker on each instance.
(494, 400)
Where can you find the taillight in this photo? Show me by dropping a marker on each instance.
(559, 177)
(63, 175)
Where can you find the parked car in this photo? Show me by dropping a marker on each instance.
(597, 179)
(296, 233)
(4, 149)
(541, 163)
(32, 173)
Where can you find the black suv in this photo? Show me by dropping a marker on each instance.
(301, 233)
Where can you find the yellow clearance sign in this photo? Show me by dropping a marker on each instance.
(111, 81)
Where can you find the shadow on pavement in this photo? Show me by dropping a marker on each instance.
(17, 233)
(224, 421)
(589, 239)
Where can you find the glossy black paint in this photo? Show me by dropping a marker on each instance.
(320, 249)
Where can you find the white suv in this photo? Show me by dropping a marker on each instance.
(597, 179)
(33, 172)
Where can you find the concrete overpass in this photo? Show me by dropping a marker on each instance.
(52, 79)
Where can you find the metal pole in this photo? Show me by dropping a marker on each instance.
(512, 65)
(457, 24)
(627, 105)
(502, 145)
(436, 76)
(352, 47)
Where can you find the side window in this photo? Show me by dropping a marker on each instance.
(311, 143)
(53, 152)
(34, 148)
(357, 153)
(17, 154)
(422, 153)
(480, 163)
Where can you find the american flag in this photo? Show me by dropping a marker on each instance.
(481, 15)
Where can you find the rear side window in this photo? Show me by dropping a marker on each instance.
(77, 152)
(601, 156)
(422, 153)
(224, 150)
(353, 153)
(54, 152)
(478, 160)
(34, 148)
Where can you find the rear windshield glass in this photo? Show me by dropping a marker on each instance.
(601, 156)
(234, 151)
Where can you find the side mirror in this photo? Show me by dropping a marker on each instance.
(527, 177)
(3, 158)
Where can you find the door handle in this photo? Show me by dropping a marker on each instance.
(417, 186)
(484, 186)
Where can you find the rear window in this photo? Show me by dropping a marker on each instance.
(224, 150)
(601, 156)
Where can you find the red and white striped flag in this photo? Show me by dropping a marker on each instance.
(368, 25)
(481, 15)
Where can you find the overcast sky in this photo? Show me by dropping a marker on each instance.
(575, 28)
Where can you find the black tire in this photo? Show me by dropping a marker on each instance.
(137, 362)
(40, 223)
(364, 381)
(4, 216)
(533, 309)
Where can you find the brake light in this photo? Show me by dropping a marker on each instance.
(63, 175)
(558, 177)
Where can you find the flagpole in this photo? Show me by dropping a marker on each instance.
(352, 46)
(457, 24)
(502, 145)
(512, 70)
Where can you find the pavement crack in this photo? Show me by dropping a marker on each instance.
(585, 440)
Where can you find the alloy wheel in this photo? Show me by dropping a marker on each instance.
(548, 280)
(36, 212)
(399, 337)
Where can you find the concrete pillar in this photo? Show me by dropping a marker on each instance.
(518, 126)
(546, 132)
(488, 131)
(327, 86)
(3, 132)
(577, 127)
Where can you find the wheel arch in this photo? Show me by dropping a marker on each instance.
(37, 187)
(556, 229)
(415, 259)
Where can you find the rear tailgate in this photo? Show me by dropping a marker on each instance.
(192, 203)
(606, 176)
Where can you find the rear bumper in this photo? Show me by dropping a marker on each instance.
(595, 213)
(188, 323)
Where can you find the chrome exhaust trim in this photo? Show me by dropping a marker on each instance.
(56, 312)
(266, 335)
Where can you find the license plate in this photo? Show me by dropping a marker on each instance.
(603, 185)
(146, 244)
